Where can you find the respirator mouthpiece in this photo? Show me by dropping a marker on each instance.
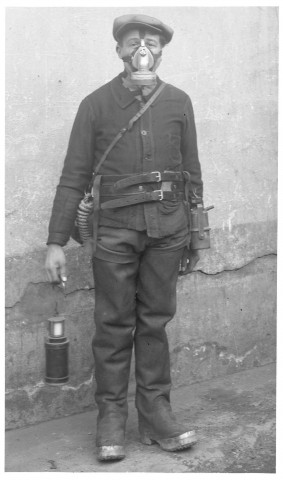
(142, 61)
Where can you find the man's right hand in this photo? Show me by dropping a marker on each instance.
(193, 257)
(55, 264)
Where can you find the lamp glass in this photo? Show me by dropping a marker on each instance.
(56, 327)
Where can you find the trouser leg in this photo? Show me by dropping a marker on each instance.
(156, 305)
(115, 291)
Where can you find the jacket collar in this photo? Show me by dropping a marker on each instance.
(123, 96)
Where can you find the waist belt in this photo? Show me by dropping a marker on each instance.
(132, 199)
(122, 181)
(127, 190)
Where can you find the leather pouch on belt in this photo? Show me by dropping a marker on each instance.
(200, 231)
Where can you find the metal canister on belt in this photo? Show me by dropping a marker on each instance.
(200, 230)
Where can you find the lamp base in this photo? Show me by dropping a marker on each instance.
(57, 371)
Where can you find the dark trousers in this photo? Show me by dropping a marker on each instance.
(135, 297)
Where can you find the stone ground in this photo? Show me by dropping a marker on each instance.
(234, 417)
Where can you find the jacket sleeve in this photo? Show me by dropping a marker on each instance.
(76, 176)
(190, 157)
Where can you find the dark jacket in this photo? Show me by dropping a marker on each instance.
(164, 138)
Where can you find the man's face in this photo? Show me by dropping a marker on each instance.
(131, 41)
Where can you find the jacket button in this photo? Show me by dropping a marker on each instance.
(144, 132)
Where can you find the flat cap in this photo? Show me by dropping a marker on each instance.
(125, 22)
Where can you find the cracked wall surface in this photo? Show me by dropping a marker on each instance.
(225, 322)
(226, 317)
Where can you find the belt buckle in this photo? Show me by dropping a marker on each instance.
(158, 178)
(159, 193)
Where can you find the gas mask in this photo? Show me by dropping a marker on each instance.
(143, 64)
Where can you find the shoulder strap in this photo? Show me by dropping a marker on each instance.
(128, 127)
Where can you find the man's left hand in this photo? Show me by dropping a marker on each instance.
(189, 260)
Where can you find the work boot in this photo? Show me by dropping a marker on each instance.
(110, 436)
(160, 426)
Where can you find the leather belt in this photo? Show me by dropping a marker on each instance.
(148, 178)
(132, 199)
(111, 191)
(123, 181)
(123, 190)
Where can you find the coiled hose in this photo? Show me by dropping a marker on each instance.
(85, 208)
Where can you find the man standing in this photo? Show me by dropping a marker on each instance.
(144, 180)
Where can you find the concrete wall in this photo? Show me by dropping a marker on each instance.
(226, 59)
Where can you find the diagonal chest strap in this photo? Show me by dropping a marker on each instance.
(128, 127)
